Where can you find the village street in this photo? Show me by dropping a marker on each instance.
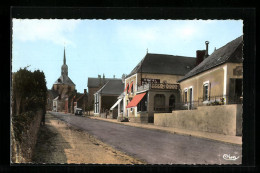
(155, 147)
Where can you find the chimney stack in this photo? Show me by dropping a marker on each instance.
(200, 56)
(103, 78)
(207, 50)
(85, 91)
(99, 77)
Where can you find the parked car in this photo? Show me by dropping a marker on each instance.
(78, 111)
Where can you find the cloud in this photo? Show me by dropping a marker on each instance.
(55, 31)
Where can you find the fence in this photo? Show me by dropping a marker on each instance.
(211, 101)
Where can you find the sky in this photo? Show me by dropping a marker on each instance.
(109, 47)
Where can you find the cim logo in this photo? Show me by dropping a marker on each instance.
(228, 157)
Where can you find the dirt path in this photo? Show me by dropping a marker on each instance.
(60, 143)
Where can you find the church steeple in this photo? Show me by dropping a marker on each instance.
(64, 67)
(64, 58)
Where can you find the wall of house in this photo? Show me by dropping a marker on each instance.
(91, 92)
(136, 78)
(63, 89)
(218, 78)
(150, 98)
(223, 119)
(129, 96)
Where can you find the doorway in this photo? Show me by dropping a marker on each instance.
(171, 103)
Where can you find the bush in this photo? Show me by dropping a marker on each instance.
(29, 94)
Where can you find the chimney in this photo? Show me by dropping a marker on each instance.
(114, 76)
(99, 78)
(85, 91)
(103, 78)
(200, 56)
(207, 50)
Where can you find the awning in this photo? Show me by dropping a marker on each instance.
(118, 101)
(126, 87)
(129, 90)
(137, 98)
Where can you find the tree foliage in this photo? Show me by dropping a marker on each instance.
(29, 94)
(29, 91)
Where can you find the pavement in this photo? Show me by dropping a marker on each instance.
(236, 140)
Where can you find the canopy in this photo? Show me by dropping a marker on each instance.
(118, 101)
(137, 98)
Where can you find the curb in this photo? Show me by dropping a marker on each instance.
(173, 132)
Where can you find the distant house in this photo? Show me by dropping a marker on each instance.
(51, 95)
(106, 96)
(217, 79)
(152, 87)
(94, 84)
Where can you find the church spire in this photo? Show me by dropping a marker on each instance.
(64, 67)
(64, 58)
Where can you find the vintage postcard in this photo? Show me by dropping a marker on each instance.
(114, 91)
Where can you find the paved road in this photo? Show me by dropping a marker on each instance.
(156, 147)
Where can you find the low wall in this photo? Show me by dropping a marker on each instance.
(223, 119)
(142, 117)
(22, 151)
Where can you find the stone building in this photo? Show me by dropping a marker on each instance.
(152, 86)
(62, 88)
(217, 79)
(106, 96)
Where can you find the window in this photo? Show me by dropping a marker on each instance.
(205, 91)
(142, 105)
(127, 89)
(132, 88)
(159, 102)
(185, 95)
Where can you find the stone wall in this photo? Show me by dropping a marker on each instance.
(22, 151)
(224, 119)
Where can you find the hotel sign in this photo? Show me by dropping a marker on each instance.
(148, 80)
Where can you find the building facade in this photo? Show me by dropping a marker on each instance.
(152, 86)
(217, 79)
(105, 97)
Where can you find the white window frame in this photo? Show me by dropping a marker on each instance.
(185, 91)
(206, 83)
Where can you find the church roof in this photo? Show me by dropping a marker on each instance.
(53, 93)
(231, 52)
(63, 79)
(164, 64)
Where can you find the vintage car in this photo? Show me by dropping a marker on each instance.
(78, 111)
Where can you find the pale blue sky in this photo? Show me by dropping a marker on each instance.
(112, 47)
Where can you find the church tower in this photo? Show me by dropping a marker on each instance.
(64, 67)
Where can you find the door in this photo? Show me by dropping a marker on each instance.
(190, 99)
(171, 103)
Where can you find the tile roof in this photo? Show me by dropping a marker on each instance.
(231, 52)
(63, 79)
(164, 64)
(112, 87)
(95, 82)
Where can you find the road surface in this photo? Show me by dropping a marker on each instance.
(157, 147)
